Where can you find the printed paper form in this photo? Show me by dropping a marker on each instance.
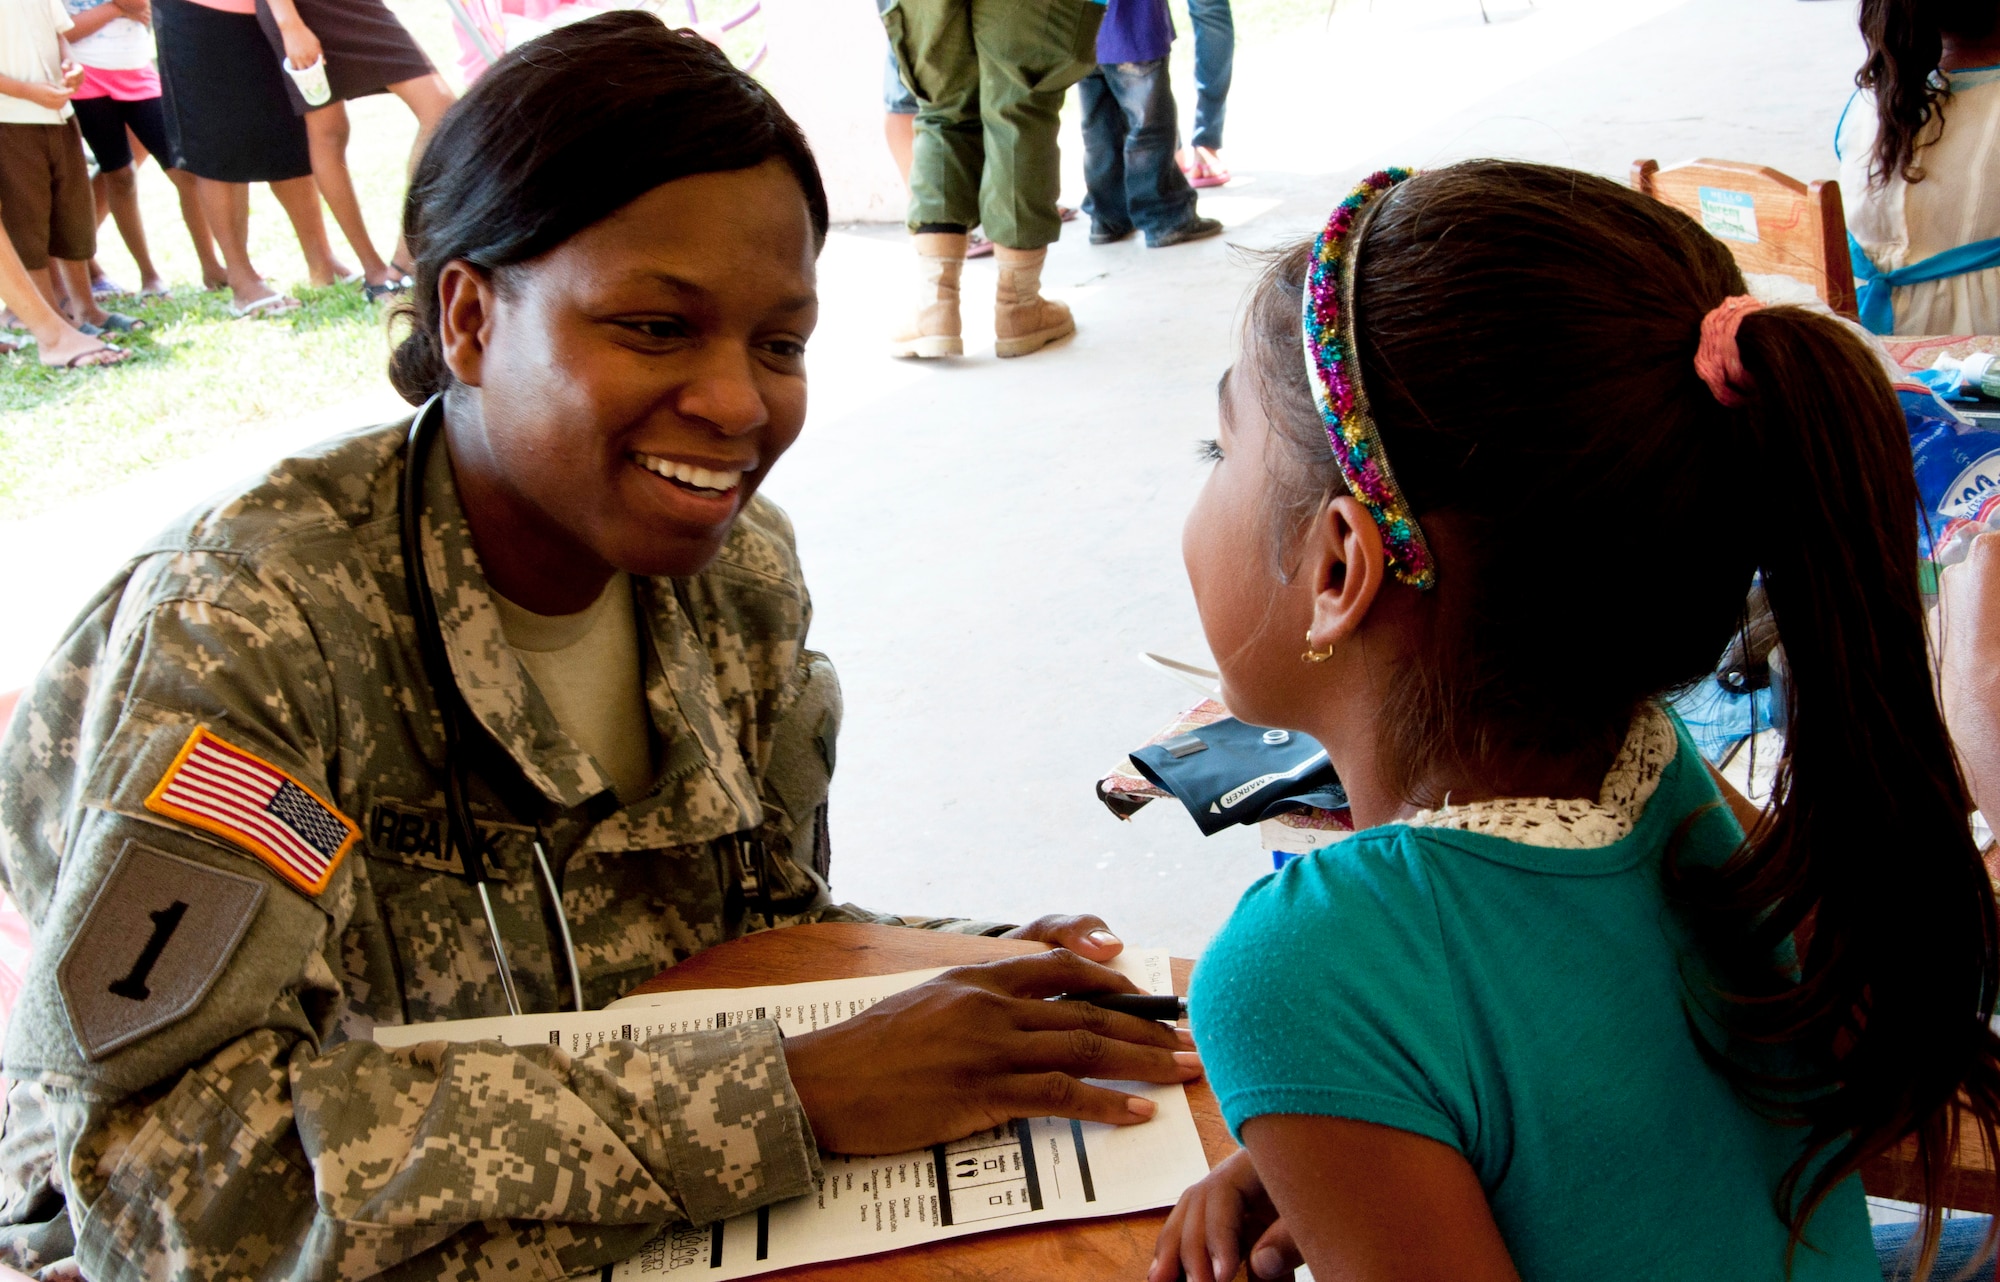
(1032, 1172)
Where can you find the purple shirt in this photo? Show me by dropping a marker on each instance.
(1135, 31)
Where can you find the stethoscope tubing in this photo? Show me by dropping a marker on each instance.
(462, 832)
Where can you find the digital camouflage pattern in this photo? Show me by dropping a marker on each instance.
(264, 1134)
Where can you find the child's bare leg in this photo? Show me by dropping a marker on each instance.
(122, 193)
(326, 134)
(428, 98)
(75, 274)
(213, 274)
(300, 197)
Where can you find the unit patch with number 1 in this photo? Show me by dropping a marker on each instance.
(151, 945)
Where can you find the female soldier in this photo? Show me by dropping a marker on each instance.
(267, 796)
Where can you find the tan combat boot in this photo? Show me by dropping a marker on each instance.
(1024, 321)
(935, 330)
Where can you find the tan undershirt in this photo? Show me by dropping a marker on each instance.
(587, 667)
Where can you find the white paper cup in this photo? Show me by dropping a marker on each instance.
(312, 83)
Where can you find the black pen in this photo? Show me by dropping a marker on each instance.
(1144, 1005)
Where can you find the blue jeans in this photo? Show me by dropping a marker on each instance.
(1962, 1239)
(1214, 64)
(1128, 150)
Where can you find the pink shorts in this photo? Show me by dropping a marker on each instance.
(135, 84)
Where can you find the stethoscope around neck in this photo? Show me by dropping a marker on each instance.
(462, 833)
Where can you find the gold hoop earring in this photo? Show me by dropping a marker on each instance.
(1316, 656)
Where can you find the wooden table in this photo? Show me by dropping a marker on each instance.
(1116, 1247)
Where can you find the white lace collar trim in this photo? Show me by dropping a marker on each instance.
(1572, 823)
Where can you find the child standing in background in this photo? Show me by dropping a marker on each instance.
(118, 101)
(1129, 129)
(45, 202)
(1919, 151)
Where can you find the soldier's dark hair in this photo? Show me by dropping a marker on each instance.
(1595, 544)
(1905, 41)
(565, 131)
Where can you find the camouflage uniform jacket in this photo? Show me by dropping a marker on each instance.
(218, 1109)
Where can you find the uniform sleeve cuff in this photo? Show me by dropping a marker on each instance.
(736, 1136)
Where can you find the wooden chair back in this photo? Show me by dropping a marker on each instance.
(1774, 224)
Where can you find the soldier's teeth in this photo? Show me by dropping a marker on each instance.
(698, 477)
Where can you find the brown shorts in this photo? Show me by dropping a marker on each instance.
(45, 201)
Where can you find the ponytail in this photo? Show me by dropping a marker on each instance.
(1905, 43)
(1865, 863)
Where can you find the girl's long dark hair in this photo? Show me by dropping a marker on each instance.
(1527, 339)
(565, 131)
(1905, 41)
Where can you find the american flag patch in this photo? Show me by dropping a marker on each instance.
(238, 796)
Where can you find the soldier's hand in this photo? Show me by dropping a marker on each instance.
(1086, 935)
(979, 1046)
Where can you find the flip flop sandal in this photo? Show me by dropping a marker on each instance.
(117, 322)
(107, 288)
(977, 246)
(89, 359)
(1206, 171)
(1065, 213)
(163, 292)
(387, 289)
(269, 305)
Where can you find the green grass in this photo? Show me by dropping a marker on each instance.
(200, 379)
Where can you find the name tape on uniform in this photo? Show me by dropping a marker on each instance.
(244, 799)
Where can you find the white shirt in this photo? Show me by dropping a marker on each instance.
(31, 50)
(119, 45)
(1958, 202)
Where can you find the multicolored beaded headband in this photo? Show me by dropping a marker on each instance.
(1329, 349)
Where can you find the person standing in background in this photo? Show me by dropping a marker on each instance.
(1916, 145)
(44, 184)
(230, 124)
(989, 78)
(1214, 67)
(367, 51)
(120, 91)
(1128, 133)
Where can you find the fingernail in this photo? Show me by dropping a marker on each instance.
(1104, 939)
(1140, 1107)
(1186, 1036)
(1267, 1263)
(1215, 1269)
(1188, 1060)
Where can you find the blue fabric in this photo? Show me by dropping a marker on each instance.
(1875, 287)
(1958, 1247)
(1135, 31)
(1524, 1007)
(1128, 150)
(1214, 67)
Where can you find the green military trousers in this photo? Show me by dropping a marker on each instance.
(989, 77)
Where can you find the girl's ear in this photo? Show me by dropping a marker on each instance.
(465, 319)
(1344, 565)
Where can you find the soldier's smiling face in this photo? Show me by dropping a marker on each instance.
(634, 385)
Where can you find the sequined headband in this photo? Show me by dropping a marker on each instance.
(1330, 355)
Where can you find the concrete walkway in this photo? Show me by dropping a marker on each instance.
(991, 543)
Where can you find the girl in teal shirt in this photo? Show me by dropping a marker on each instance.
(1549, 1014)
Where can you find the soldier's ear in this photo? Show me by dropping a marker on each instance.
(466, 296)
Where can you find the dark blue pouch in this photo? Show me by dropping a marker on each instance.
(1231, 773)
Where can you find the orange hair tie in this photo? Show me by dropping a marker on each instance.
(1717, 361)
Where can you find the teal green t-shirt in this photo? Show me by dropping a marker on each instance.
(1524, 1006)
